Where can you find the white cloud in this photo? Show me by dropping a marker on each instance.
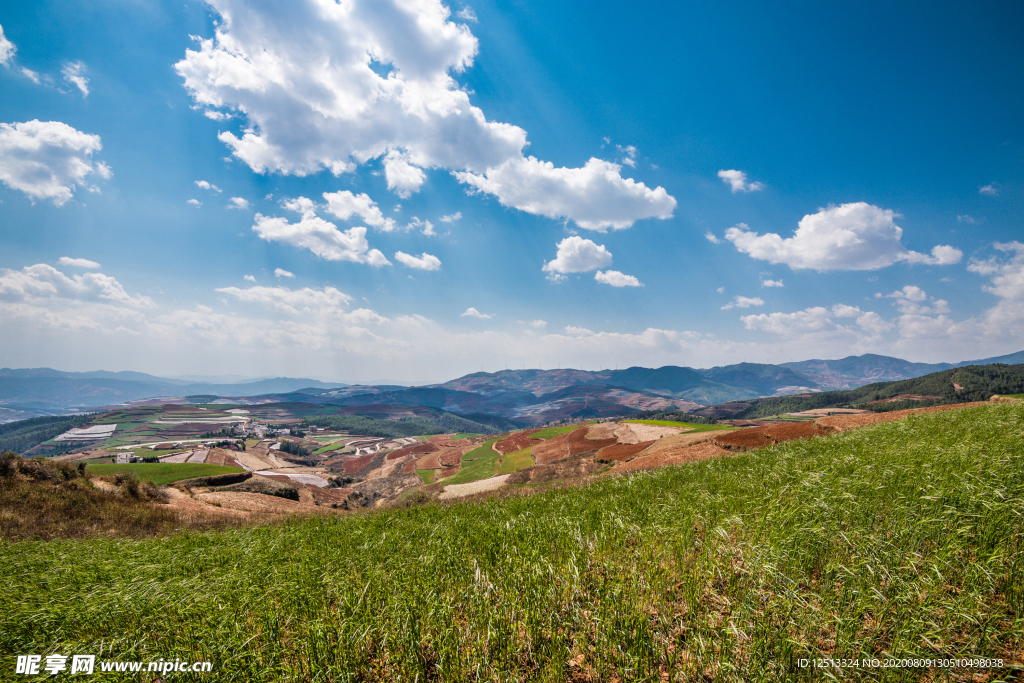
(195, 202)
(78, 262)
(293, 301)
(416, 224)
(451, 218)
(335, 85)
(238, 203)
(473, 313)
(47, 160)
(595, 197)
(574, 331)
(911, 301)
(772, 283)
(46, 282)
(538, 324)
(281, 272)
(7, 49)
(617, 279)
(577, 255)
(720, 290)
(207, 186)
(1007, 316)
(628, 155)
(467, 14)
(966, 218)
(423, 262)
(321, 237)
(710, 237)
(814, 319)
(345, 204)
(743, 302)
(737, 180)
(31, 75)
(72, 72)
(844, 311)
(249, 278)
(990, 190)
(855, 236)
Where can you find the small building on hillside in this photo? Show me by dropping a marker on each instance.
(127, 458)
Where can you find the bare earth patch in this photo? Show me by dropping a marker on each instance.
(635, 433)
(459, 490)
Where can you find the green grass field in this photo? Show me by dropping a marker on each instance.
(329, 447)
(692, 427)
(426, 475)
(552, 432)
(899, 540)
(478, 464)
(162, 473)
(514, 462)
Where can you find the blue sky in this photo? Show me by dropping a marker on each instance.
(700, 184)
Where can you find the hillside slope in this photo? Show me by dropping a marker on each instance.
(895, 541)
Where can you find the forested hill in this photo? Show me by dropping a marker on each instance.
(956, 385)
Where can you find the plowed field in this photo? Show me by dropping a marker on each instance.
(516, 442)
(622, 451)
(679, 456)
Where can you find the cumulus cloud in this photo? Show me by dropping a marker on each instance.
(595, 197)
(710, 237)
(538, 324)
(46, 282)
(194, 202)
(207, 186)
(345, 204)
(628, 155)
(577, 255)
(737, 180)
(48, 160)
(281, 272)
(452, 217)
(617, 279)
(335, 85)
(7, 49)
(321, 237)
(1007, 277)
(249, 278)
(771, 283)
(73, 75)
(990, 190)
(423, 262)
(467, 14)
(473, 313)
(966, 218)
(911, 300)
(855, 236)
(743, 302)
(238, 203)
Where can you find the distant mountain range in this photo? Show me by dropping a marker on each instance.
(527, 396)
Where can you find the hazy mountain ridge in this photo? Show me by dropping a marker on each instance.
(530, 394)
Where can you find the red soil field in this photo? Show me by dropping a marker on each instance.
(450, 458)
(429, 462)
(622, 451)
(409, 467)
(765, 436)
(680, 456)
(420, 448)
(353, 465)
(568, 445)
(516, 442)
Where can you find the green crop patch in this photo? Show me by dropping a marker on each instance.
(690, 426)
(513, 462)
(464, 435)
(426, 475)
(552, 432)
(897, 542)
(477, 464)
(163, 472)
